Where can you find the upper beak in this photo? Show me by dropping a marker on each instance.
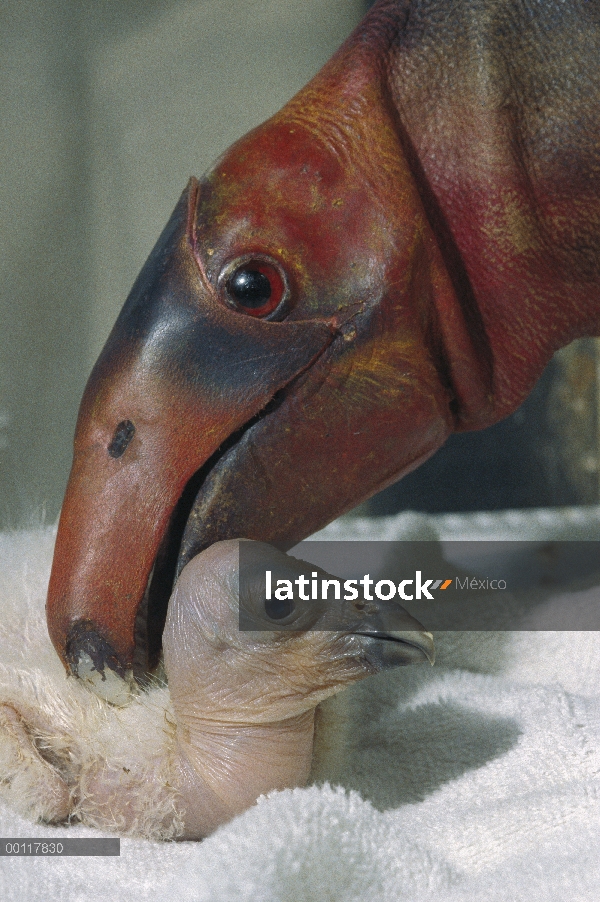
(179, 375)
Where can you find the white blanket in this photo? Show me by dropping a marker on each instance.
(475, 779)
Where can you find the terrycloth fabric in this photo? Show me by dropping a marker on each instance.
(475, 779)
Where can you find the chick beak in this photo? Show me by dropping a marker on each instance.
(391, 637)
(398, 648)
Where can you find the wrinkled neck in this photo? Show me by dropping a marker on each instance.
(504, 152)
(495, 106)
(220, 770)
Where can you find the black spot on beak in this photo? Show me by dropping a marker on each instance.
(123, 435)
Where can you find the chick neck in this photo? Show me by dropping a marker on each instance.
(220, 770)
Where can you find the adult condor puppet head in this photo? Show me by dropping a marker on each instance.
(292, 345)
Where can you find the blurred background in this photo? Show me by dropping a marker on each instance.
(107, 108)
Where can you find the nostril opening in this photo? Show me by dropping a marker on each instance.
(120, 440)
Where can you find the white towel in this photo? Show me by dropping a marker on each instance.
(475, 779)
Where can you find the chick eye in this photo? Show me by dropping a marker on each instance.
(256, 288)
(278, 608)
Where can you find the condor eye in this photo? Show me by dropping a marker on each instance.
(255, 287)
(279, 609)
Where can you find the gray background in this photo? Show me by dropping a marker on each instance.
(107, 108)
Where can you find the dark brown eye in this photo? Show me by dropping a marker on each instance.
(255, 288)
(278, 609)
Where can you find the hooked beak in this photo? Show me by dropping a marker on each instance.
(397, 648)
(179, 375)
(391, 637)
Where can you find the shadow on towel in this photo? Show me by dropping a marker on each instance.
(377, 743)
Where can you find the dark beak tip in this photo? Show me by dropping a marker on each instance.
(94, 661)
